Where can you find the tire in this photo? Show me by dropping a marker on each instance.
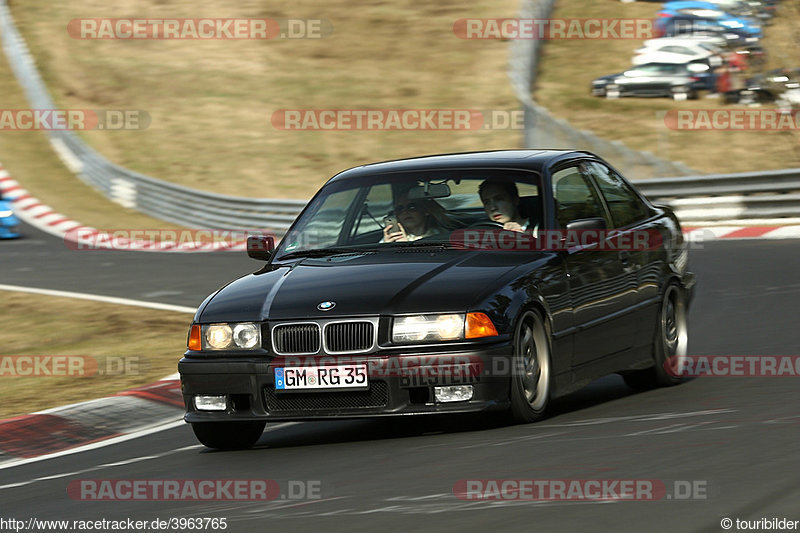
(531, 371)
(669, 344)
(228, 435)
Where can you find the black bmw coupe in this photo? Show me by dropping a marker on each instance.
(475, 282)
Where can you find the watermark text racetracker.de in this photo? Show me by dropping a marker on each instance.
(411, 370)
(198, 28)
(73, 119)
(554, 28)
(397, 119)
(193, 490)
(43, 366)
(579, 489)
(732, 119)
(557, 240)
(761, 366)
(87, 239)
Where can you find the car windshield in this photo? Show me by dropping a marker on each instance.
(420, 209)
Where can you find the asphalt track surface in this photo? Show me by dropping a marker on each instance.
(735, 439)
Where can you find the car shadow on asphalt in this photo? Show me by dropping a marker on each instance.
(604, 390)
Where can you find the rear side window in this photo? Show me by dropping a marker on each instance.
(624, 204)
(575, 197)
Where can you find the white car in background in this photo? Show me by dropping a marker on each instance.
(677, 50)
(718, 42)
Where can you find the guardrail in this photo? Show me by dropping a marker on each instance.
(718, 197)
(741, 196)
(733, 196)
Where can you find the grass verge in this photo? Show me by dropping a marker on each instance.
(131, 346)
(30, 160)
(211, 101)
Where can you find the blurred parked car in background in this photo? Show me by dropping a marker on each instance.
(781, 86)
(654, 79)
(677, 50)
(762, 11)
(9, 224)
(683, 25)
(708, 11)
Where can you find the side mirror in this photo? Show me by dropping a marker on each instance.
(260, 247)
(583, 224)
(585, 231)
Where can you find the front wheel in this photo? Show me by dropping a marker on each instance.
(669, 344)
(228, 435)
(531, 375)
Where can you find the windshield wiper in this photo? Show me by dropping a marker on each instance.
(447, 245)
(386, 246)
(322, 252)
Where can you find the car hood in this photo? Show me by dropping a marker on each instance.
(409, 281)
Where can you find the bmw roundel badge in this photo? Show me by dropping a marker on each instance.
(326, 306)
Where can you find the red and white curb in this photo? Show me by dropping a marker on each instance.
(771, 231)
(73, 426)
(76, 235)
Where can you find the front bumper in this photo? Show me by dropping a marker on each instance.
(399, 385)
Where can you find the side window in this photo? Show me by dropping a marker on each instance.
(323, 223)
(575, 197)
(625, 206)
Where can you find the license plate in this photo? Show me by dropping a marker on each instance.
(321, 377)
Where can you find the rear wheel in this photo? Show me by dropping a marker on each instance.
(669, 344)
(531, 374)
(228, 435)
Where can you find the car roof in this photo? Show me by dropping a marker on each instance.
(679, 4)
(511, 159)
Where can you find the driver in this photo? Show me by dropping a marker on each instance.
(501, 202)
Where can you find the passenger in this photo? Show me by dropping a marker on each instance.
(415, 219)
(501, 202)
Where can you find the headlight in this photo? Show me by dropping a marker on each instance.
(428, 328)
(246, 336)
(242, 336)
